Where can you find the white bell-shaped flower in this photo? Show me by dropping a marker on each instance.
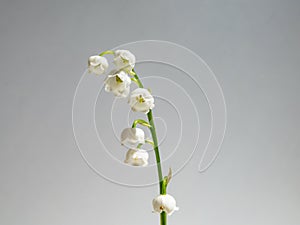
(124, 60)
(137, 157)
(164, 203)
(141, 100)
(118, 83)
(97, 64)
(132, 136)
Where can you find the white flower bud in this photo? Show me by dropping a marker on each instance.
(141, 100)
(164, 203)
(132, 136)
(137, 157)
(118, 84)
(124, 60)
(97, 64)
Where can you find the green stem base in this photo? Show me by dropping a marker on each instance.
(163, 218)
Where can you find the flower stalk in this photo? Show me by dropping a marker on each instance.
(140, 100)
(162, 183)
(106, 53)
(141, 122)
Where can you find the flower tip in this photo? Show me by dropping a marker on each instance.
(141, 100)
(97, 64)
(118, 83)
(124, 60)
(164, 203)
(137, 157)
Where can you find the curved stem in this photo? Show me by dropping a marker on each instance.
(141, 122)
(134, 80)
(138, 81)
(162, 186)
(149, 142)
(139, 146)
(106, 52)
(156, 150)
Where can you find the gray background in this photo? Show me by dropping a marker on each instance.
(252, 46)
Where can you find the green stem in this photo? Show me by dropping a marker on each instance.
(163, 218)
(139, 146)
(162, 187)
(106, 52)
(141, 122)
(156, 150)
(149, 142)
(138, 81)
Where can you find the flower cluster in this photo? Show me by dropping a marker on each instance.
(134, 138)
(118, 82)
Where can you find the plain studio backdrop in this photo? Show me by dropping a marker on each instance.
(252, 47)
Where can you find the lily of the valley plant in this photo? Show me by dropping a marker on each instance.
(118, 82)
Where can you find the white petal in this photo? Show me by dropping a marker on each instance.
(97, 64)
(119, 89)
(137, 157)
(132, 136)
(164, 203)
(124, 60)
(138, 106)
